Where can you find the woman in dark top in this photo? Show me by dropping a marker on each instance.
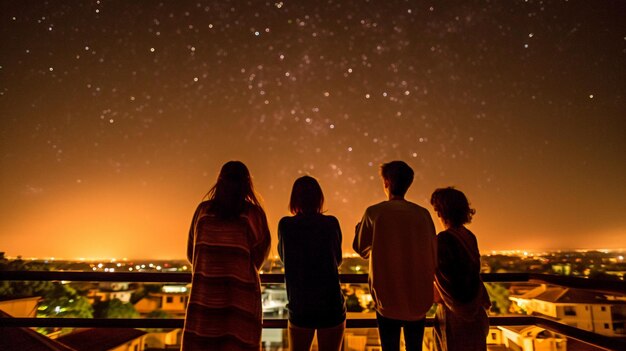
(309, 244)
(461, 321)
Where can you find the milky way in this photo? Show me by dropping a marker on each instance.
(117, 115)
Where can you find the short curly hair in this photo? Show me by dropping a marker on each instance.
(452, 206)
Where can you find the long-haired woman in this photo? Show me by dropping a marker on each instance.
(228, 241)
(462, 322)
(309, 244)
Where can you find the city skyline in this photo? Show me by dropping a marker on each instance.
(116, 116)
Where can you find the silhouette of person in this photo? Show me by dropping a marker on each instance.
(461, 321)
(309, 244)
(228, 241)
(398, 237)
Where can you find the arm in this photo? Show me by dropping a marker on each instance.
(355, 241)
(445, 252)
(337, 242)
(433, 235)
(281, 248)
(261, 248)
(363, 237)
(192, 234)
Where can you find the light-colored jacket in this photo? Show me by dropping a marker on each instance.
(399, 239)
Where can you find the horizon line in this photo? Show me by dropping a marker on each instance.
(523, 252)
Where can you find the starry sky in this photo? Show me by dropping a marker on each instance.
(115, 116)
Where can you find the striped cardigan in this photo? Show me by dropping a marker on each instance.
(224, 310)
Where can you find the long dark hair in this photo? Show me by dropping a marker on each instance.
(306, 196)
(232, 191)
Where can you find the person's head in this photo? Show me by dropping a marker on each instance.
(306, 196)
(452, 207)
(232, 190)
(397, 177)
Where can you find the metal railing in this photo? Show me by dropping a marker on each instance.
(605, 286)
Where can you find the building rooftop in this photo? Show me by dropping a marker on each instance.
(27, 339)
(559, 294)
(100, 339)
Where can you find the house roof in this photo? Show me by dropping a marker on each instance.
(567, 295)
(27, 339)
(530, 331)
(100, 339)
(516, 328)
(559, 294)
(10, 299)
(553, 294)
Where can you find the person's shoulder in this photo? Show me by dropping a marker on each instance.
(377, 207)
(470, 232)
(444, 234)
(445, 238)
(204, 203)
(285, 225)
(203, 207)
(286, 221)
(330, 219)
(471, 235)
(253, 210)
(416, 206)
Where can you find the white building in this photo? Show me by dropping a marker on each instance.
(107, 291)
(274, 300)
(582, 309)
(532, 338)
(172, 299)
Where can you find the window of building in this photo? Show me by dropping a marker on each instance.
(181, 299)
(493, 336)
(606, 325)
(169, 299)
(569, 310)
(603, 308)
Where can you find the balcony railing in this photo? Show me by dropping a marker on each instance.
(605, 286)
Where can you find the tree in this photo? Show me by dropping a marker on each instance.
(64, 301)
(114, 308)
(499, 296)
(16, 289)
(353, 304)
(58, 300)
(144, 290)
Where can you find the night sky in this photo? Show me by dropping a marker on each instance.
(115, 116)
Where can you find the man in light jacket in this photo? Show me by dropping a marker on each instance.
(398, 237)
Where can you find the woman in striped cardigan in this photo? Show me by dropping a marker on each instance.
(228, 241)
